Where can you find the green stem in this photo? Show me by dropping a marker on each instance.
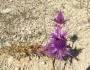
(81, 1)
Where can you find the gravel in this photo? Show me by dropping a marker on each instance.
(29, 22)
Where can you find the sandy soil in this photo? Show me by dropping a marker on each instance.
(28, 22)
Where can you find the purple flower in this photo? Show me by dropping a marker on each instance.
(60, 18)
(57, 46)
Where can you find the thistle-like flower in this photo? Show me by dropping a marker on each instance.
(57, 46)
(60, 18)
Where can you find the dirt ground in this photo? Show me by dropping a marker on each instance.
(28, 22)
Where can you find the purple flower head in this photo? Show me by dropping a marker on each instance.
(59, 33)
(57, 46)
(60, 18)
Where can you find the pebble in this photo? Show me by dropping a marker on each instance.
(6, 10)
(87, 25)
(74, 18)
(16, 68)
(42, 62)
(11, 0)
(79, 28)
(37, 58)
(10, 59)
(7, 44)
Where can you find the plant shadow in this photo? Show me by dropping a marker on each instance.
(74, 52)
(88, 68)
(73, 39)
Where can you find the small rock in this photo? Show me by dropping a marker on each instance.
(16, 68)
(27, 69)
(74, 18)
(79, 28)
(10, 59)
(37, 58)
(23, 28)
(6, 10)
(7, 44)
(87, 25)
(43, 62)
(11, 0)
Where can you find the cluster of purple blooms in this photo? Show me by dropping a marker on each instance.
(57, 47)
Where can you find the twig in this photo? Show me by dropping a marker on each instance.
(54, 63)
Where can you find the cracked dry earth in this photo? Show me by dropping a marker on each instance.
(29, 22)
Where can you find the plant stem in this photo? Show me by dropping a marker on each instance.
(81, 1)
